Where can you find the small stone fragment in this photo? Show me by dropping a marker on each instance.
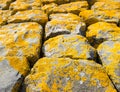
(67, 75)
(12, 72)
(109, 52)
(72, 46)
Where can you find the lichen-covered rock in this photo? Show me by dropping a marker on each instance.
(4, 14)
(57, 27)
(67, 75)
(73, 7)
(109, 53)
(20, 5)
(4, 4)
(55, 1)
(72, 46)
(91, 16)
(29, 16)
(106, 6)
(65, 16)
(59, 1)
(47, 8)
(102, 31)
(12, 72)
(93, 1)
(21, 39)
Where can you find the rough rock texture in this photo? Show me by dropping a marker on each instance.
(4, 4)
(29, 16)
(73, 7)
(102, 31)
(107, 1)
(106, 6)
(66, 35)
(72, 46)
(21, 39)
(91, 16)
(109, 53)
(59, 1)
(65, 16)
(20, 5)
(12, 72)
(67, 75)
(47, 8)
(4, 14)
(57, 27)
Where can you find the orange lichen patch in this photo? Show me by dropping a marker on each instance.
(65, 16)
(60, 75)
(72, 46)
(73, 7)
(106, 6)
(102, 31)
(91, 16)
(29, 16)
(4, 4)
(20, 5)
(47, 8)
(109, 53)
(4, 14)
(58, 27)
(21, 39)
(20, 64)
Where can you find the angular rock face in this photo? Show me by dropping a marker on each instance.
(72, 46)
(93, 1)
(109, 53)
(12, 72)
(49, 7)
(21, 39)
(4, 4)
(73, 7)
(29, 16)
(91, 16)
(20, 5)
(102, 31)
(65, 16)
(67, 75)
(4, 14)
(106, 6)
(57, 27)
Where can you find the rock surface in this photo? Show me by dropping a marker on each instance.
(12, 72)
(29, 16)
(91, 16)
(109, 53)
(23, 39)
(72, 46)
(67, 75)
(73, 7)
(102, 31)
(57, 40)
